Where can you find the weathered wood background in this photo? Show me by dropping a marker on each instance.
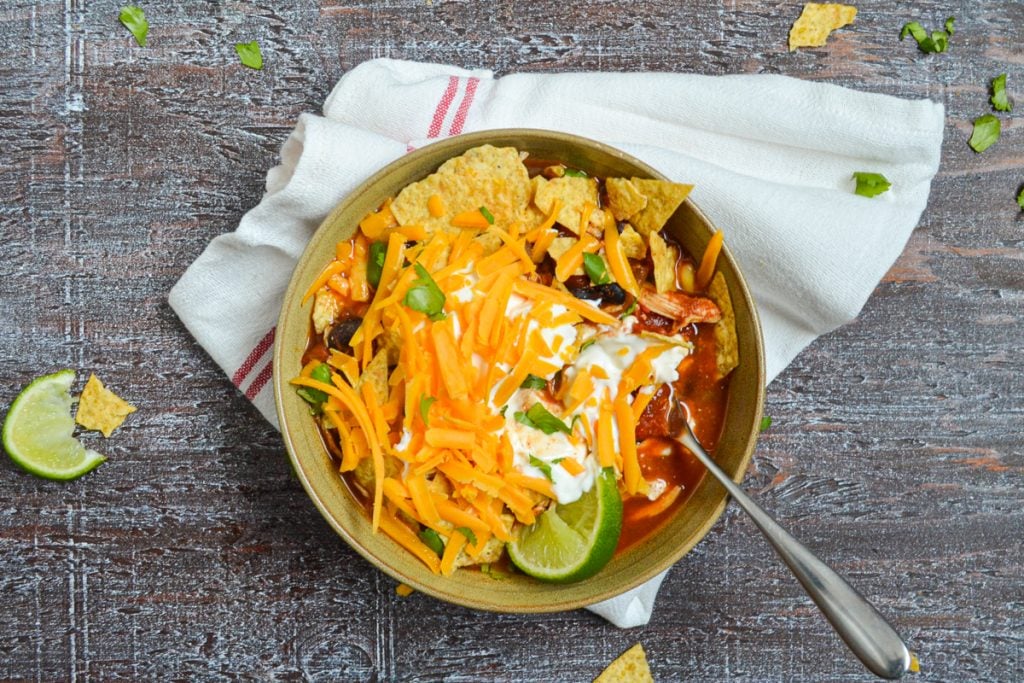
(897, 450)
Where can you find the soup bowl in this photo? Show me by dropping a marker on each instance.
(515, 592)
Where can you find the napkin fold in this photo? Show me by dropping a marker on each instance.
(771, 158)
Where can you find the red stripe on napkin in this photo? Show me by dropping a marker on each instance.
(254, 357)
(442, 107)
(467, 101)
(260, 381)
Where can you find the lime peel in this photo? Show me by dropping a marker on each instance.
(572, 542)
(37, 433)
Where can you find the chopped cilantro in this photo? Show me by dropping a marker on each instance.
(986, 132)
(487, 214)
(629, 310)
(544, 467)
(938, 41)
(432, 540)
(250, 54)
(425, 296)
(870, 184)
(766, 422)
(468, 533)
(540, 418)
(134, 19)
(425, 403)
(375, 262)
(999, 100)
(1020, 198)
(596, 269)
(533, 382)
(575, 173)
(589, 342)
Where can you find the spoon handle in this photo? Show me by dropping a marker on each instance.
(865, 631)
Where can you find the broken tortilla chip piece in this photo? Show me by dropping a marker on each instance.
(633, 245)
(630, 667)
(664, 258)
(663, 198)
(100, 409)
(727, 354)
(574, 193)
(488, 176)
(624, 199)
(817, 21)
(376, 374)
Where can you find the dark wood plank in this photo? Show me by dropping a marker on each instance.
(194, 555)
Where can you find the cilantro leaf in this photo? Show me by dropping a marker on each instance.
(999, 100)
(432, 540)
(533, 382)
(596, 269)
(375, 262)
(627, 312)
(1020, 198)
(425, 403)
(766, 422)
(540, 418)
(425, 296)
(575, 173)
(544, 467)
(938, 41)
(870, 184)
(468, 533)
(134, 19)
(588, 343)
(986, 132)
(487, 214)
(503, 410)
(250, 54)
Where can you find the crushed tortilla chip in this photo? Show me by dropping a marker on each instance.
(403, 590)
(572, 191)
(727, 354)
(624, 199)
(100, 409)
(663, 198)
(630, 667)
(493, 177)
(664, 258)
(560, 245)
(326, 308)
(633, 245)
(817, 21)
(490, 240)
(376, 374)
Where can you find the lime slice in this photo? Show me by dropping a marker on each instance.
(37, 431)
(575, 541)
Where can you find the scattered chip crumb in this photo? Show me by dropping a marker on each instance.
(817, 21)
(630, 667)
(100, 409)
(403, 590)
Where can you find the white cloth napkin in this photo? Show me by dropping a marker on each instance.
(771, 158)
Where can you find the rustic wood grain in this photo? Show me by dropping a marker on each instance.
(897, 449)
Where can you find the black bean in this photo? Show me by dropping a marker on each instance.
(608, 294)
(340, 336)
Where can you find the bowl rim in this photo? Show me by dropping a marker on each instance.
(457, 145)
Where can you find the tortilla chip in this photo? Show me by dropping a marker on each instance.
(727, 354)
(393, 341)
(664, 257)
(817, 21)
(630, 667)
(326, 308)
(376, 374)
(483, 176)
(560, 245)
(663, 198)
(489, 240)
(531, 218)
(100, 409)
(633, 245)
(674, 340)
(624, 199)
(572, 191)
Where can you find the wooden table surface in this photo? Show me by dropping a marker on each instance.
(193, 554)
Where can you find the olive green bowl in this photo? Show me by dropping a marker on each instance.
(319, 475)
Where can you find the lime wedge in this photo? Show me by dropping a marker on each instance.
(37, 431)
(575, 541)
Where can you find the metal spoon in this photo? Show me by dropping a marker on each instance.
(865, 631)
